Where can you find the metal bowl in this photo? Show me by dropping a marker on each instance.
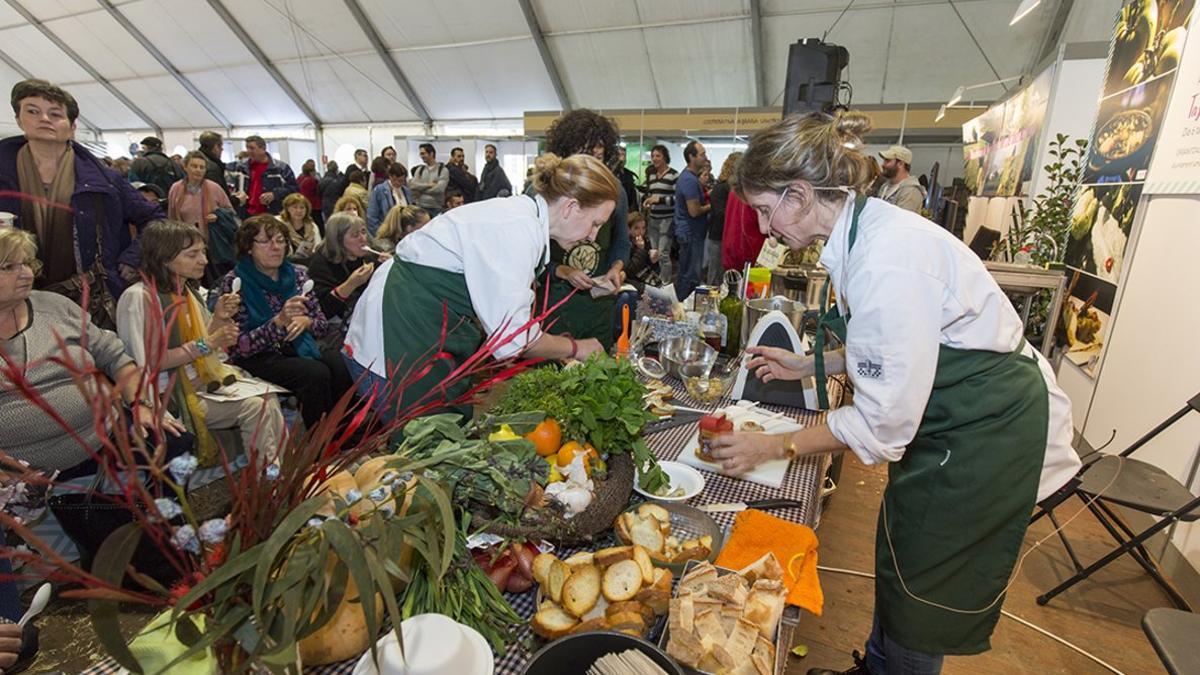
(687, 356)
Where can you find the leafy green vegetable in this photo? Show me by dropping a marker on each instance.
(534, 389)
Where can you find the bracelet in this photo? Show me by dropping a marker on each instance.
(574, 347)
(202, 346)
(338, 294)
(789, 447)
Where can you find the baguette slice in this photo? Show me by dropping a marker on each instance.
(642, 557)
(646, 532)
(622, 581)
(552, 623)
(766, 567)
(663, 579)
(631, 623)
(559, 571)
(631, 606)
(622, 525)
(649, 510)
(581, 558)
(541, 567)
(655, 598)
(581, 590)
(606, 557)
(590, 625)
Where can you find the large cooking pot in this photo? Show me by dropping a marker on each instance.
(757, 309)
(802, 284)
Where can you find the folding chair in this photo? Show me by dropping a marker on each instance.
(1139, 486)
(1173, 633)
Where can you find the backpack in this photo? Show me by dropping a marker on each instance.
(164, 172)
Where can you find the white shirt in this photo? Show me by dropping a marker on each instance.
(497, 245)
(911, 286)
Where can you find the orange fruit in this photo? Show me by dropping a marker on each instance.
(546, 437)
(566, 454)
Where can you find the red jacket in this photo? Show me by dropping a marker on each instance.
(741, 240)
(309, 188)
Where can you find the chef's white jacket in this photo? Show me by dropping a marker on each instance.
(497, 245)
(910, 286)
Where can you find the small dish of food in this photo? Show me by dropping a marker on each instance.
(683, 483)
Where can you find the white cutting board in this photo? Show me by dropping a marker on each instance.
(769, 473)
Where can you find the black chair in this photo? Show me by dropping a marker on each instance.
(1172, 633)
(1118, 479)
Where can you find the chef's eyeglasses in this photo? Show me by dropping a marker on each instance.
(771, 215)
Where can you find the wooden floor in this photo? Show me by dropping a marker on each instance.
(1102, 615)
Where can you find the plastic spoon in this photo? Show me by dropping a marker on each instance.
(237, 285)
(39, 603)
(372, 251)
(307, 287)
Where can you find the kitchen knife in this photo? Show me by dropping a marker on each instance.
(680, 418)
(758, 504)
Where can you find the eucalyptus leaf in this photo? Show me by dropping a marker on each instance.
(280, 538)
(109, 564)
(349, 550)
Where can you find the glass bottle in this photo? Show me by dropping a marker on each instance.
(731, 309)
(714, 327)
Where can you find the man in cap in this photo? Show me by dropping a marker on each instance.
(153, 166)
(901, 187)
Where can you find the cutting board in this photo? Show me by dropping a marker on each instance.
(769, 473)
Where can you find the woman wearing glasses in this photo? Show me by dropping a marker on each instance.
(947, 391)
(278, 325)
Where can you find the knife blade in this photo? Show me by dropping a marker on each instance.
(679, 419)
(761, 504)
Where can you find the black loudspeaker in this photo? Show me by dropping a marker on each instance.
(814, 76)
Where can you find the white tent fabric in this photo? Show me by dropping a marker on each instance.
(479, 60)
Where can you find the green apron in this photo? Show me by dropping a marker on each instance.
(412, 325)
(582, 316)
(958, 502)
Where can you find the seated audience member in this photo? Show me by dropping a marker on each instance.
(643, 260)
(341, 267)
(18, 646)
(356, 186)
(32, 324)
(194, 199)
(386, 195)
(278, 325)
(301, 230)
(309, 184)
(52, 170)
(400, 221)
(349, 204)
(167, 328)
(454, 199)
(331, 186)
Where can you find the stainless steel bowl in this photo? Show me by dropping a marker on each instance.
(687, 356)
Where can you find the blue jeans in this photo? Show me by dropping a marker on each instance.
(691, 261)
(368, 382)
(885, 657)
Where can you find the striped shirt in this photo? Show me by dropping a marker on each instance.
(664, 187)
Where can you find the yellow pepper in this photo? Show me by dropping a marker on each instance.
(504, 433)
(555, 475)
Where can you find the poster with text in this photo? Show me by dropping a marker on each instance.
(1012, 156)
(1101, 223)
(1175, 168)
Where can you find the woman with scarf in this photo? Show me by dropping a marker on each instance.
(195, 199)
(279, 323)
(167, 329)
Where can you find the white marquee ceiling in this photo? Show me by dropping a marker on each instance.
(479, 59)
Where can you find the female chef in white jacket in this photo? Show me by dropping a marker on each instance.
(947, 391)
(477, 265)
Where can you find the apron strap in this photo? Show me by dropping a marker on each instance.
(831, 315)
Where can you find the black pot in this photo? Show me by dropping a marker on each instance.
(574, 654)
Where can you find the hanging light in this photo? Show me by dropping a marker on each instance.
(941, 113)
(1023, 9)
(957, 97)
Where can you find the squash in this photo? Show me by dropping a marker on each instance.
(338, 484)
(345, 635)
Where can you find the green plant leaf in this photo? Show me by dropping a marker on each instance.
(383, 584)
(446, 513)
(335, 590)
(349, 549)
(280, 538)
(220, 577)
(113, 556)
(212, 632)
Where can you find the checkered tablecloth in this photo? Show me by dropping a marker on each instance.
(802, 483)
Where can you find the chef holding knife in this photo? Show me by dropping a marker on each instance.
(947, 391)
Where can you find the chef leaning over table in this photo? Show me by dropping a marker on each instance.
(479, 262)
(947, 391)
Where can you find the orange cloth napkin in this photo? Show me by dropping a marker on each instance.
(756, 532)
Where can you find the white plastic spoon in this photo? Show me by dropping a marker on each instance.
(307, 287)
(39, 603)
(372, 251)
(237, 285)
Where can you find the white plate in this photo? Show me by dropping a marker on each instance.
(682, 476)
(482, 659)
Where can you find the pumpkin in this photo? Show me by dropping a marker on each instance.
(338, 484)
(345, 636)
